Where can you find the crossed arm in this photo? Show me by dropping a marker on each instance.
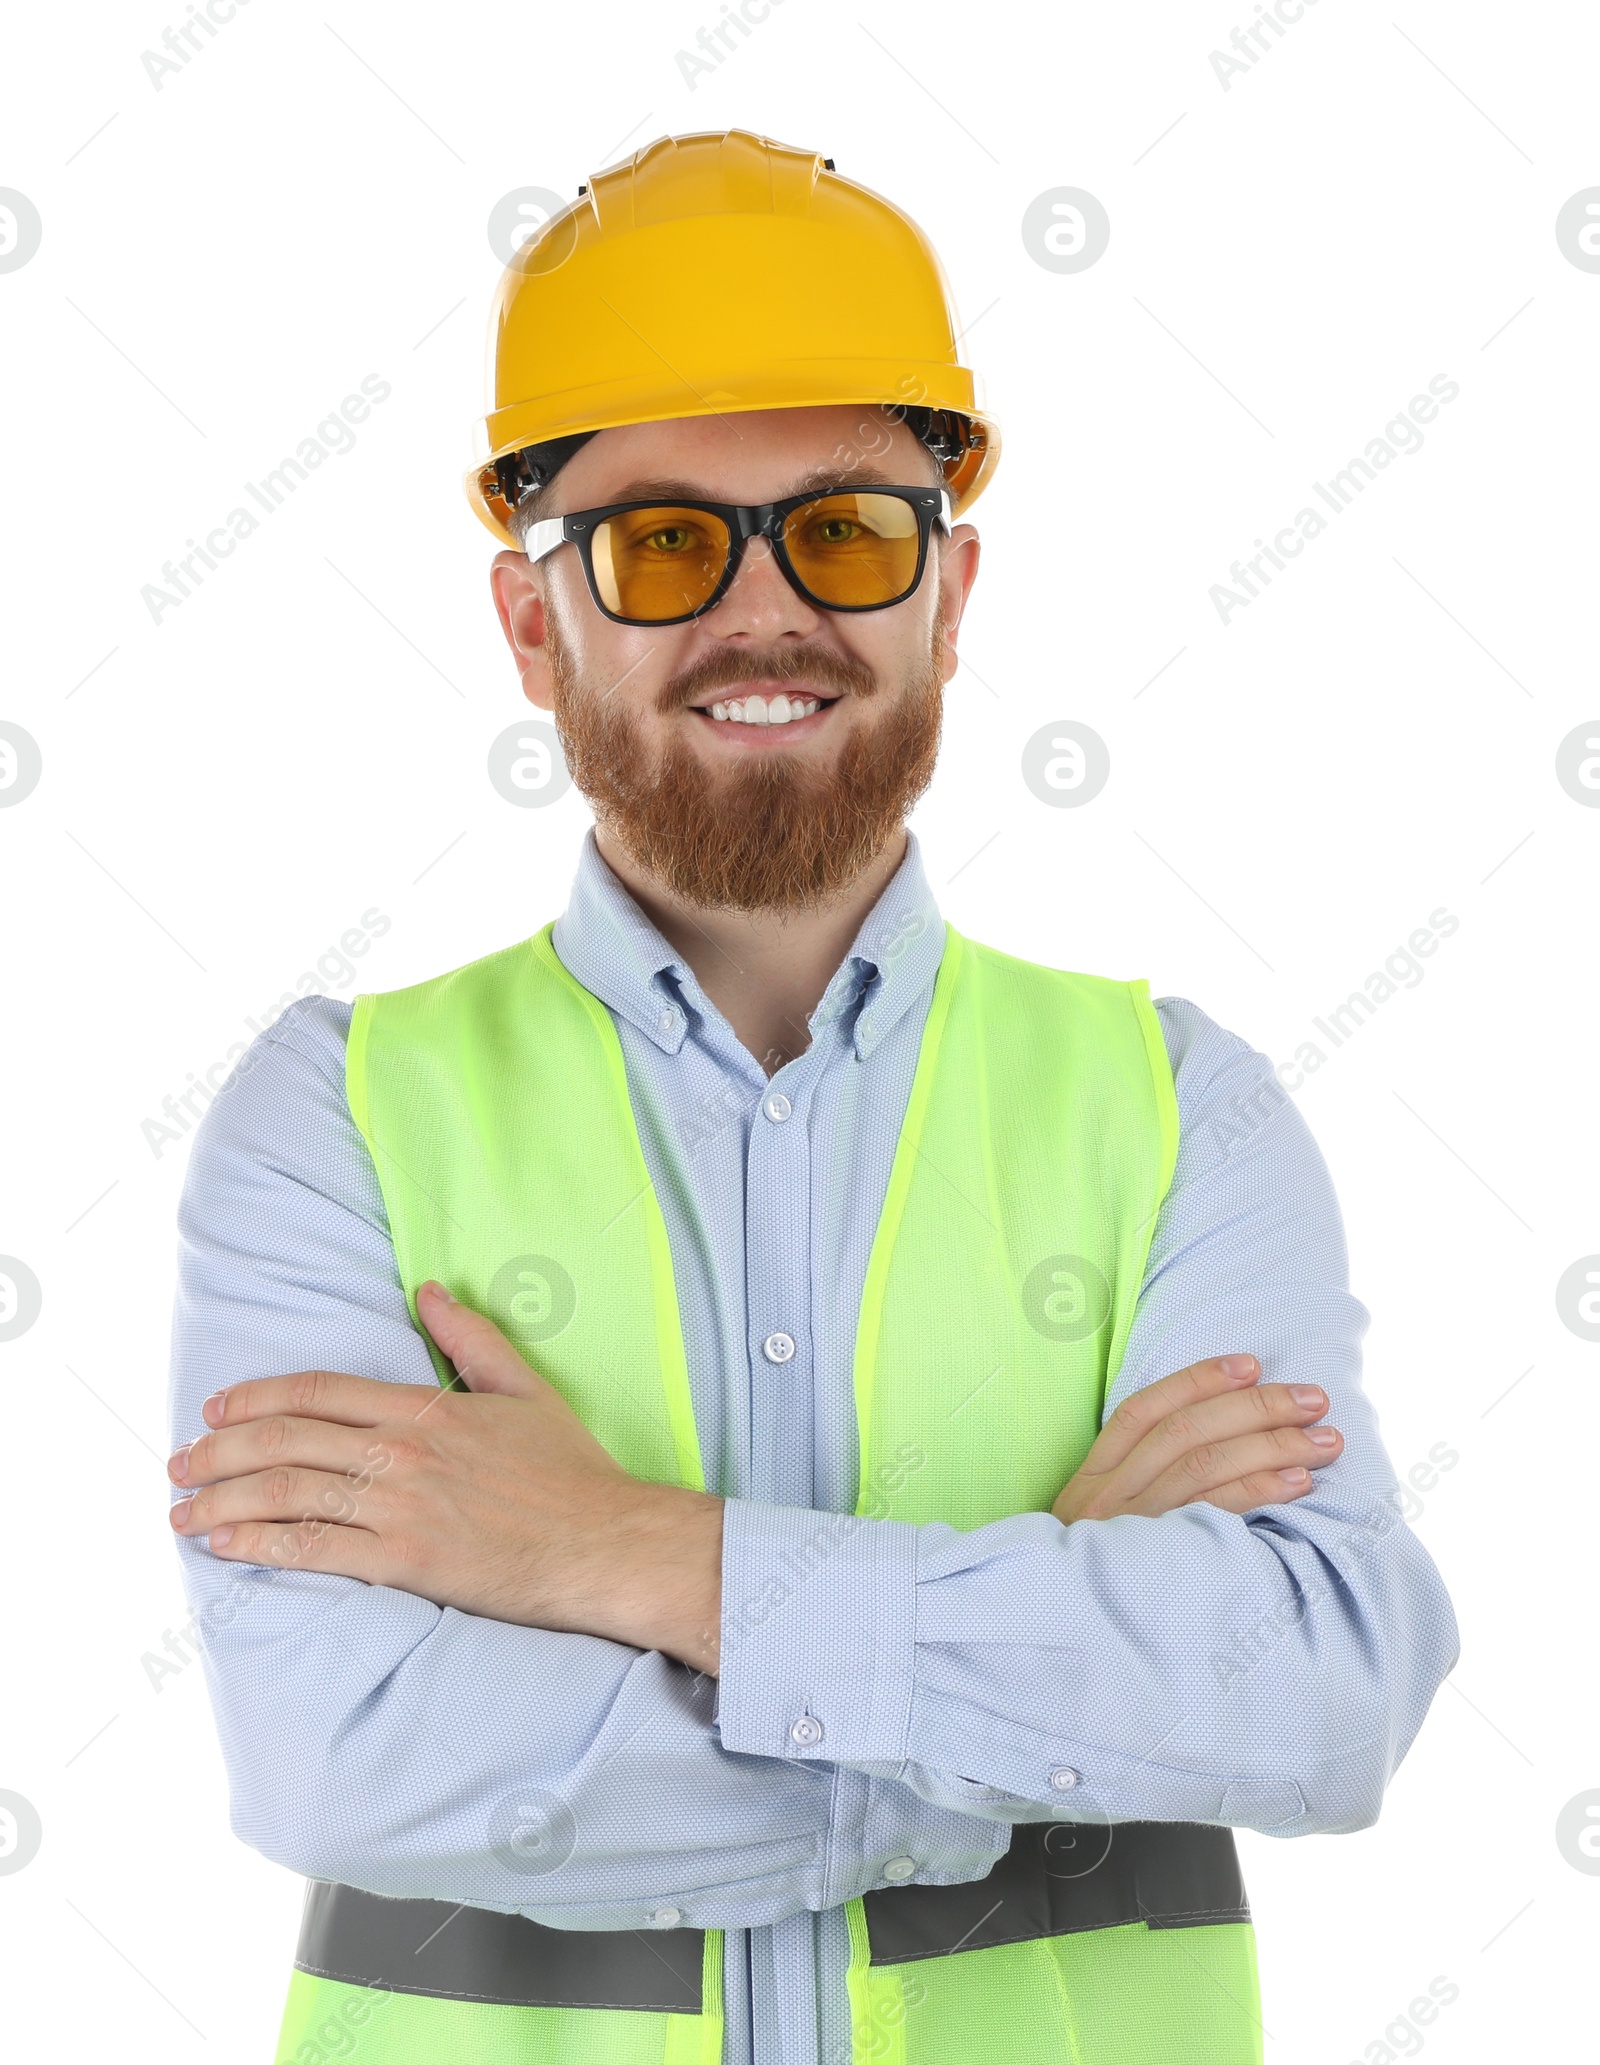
(498, 1501)
(375, 1714)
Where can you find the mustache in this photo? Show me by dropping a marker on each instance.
(727, 668)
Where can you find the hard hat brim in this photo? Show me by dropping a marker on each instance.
(806, 384)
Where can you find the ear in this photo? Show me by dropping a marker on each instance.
(958, 569)
(517, 585)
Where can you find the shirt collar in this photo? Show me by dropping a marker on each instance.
(614, 950)
(609, 944)
(893, 961)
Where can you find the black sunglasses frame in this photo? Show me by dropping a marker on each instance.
(744, 521)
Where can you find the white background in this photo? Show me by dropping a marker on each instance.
(227, 791)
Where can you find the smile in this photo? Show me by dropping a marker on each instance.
(757, 709)
(769, 710)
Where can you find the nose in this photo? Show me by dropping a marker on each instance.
(760, 602)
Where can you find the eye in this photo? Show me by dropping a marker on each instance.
(670, 537)
(834, 530)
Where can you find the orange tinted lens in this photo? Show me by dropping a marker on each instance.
(854, 549)
(655, 564)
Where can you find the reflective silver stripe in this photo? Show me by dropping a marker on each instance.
(1061, 1877)
(1056, 1879)
(471, 1953)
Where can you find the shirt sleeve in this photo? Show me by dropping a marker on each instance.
(1267, 1670)
(376, 1740)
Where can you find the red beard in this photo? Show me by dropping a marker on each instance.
(773, 833)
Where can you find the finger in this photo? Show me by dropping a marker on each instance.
(313, 1545)
(1143, 1410)
(356, 1452)
(1261, 1488)
(1215, 1420)
(278, 1494)
(317, 1394)
(484, 1359)
(1200, 1470)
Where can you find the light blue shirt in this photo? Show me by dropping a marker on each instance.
(1266, 1671)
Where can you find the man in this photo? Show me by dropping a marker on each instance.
(865, 1558)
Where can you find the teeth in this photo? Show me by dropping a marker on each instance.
(756, 709)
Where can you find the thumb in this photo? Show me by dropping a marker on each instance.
(484, 1359)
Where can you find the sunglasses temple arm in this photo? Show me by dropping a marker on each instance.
(543, 537)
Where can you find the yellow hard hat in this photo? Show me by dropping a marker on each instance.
(718, 272)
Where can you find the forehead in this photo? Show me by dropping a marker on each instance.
(755, 456)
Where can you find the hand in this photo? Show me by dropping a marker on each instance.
(1209, 1435)
(496, 1500)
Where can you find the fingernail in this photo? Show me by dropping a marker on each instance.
(180, 1512)
(178, 1464)
(1295, 1478)
(1238, 1365)
(220, 1537)
(1307, 1394)
(1324, 1437)
(439, 1290)
(211, 1411)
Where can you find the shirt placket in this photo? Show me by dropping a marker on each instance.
(779, 1339)
(780, 1349)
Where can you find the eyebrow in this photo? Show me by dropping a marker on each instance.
(824, 480)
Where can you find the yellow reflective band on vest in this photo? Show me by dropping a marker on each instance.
(1038, 1142)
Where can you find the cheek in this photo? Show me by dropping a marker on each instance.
(617, 669)
(888, 643)
(899, 645)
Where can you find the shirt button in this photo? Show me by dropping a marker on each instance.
(1064, 1778)
(778, 1347)
(664, 1917)
(806, 1731)
(669, 1019)
(777, 1107)
(900, 1867)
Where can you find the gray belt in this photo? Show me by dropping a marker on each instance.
(1057, 1878)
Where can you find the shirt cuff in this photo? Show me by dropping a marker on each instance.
(818, 1635)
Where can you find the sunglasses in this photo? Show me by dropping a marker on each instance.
(665, 562)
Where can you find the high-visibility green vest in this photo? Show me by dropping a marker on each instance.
(1038, 1142)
